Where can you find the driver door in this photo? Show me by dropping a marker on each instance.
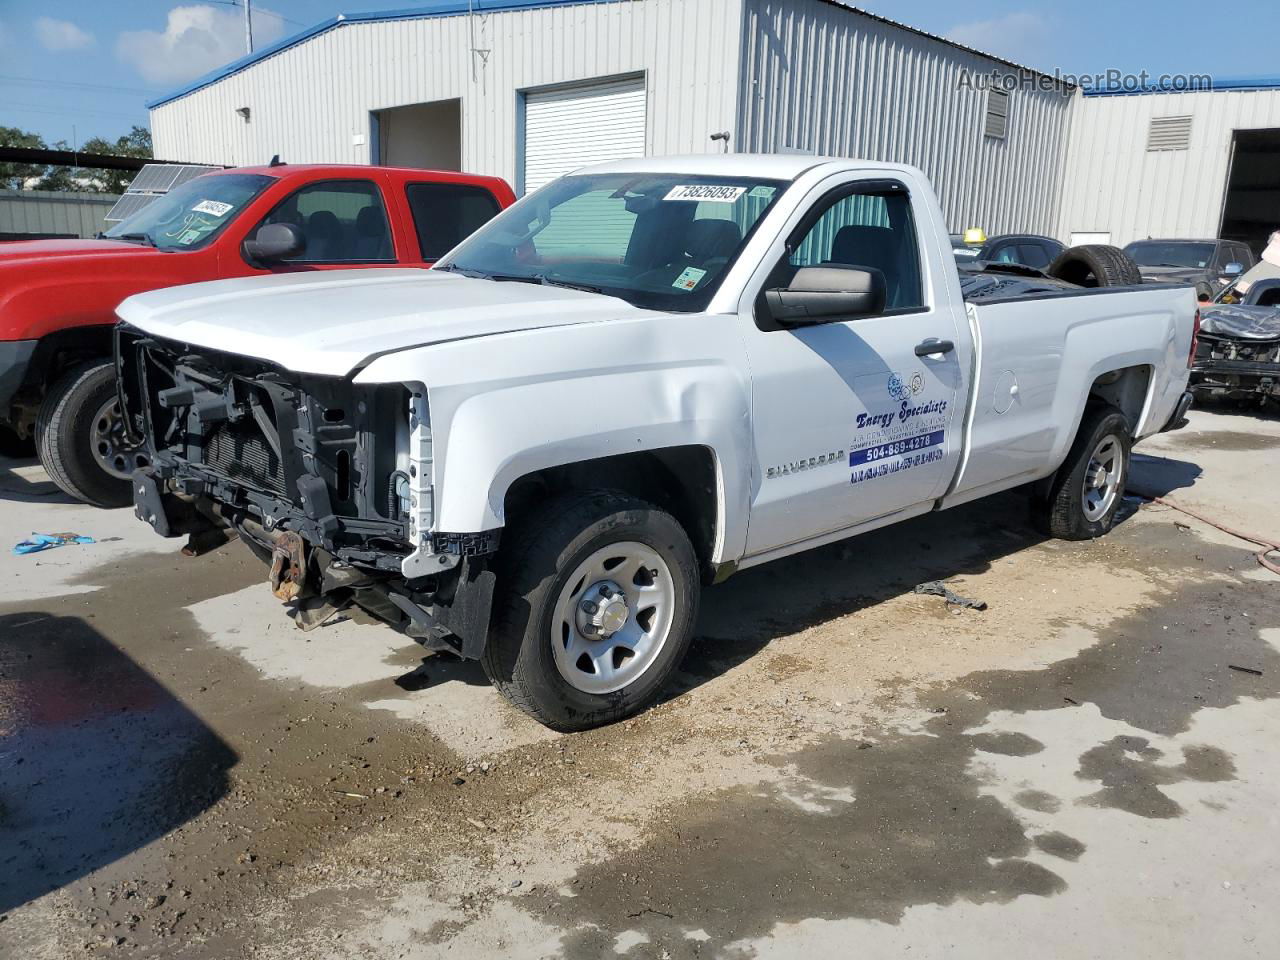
(851, 421)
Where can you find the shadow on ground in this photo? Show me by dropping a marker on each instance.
(99, 758)
(741, 616)
(868, 828)
(19, 489)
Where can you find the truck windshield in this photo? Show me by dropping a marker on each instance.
(191, 215)
(1148, 253)
(661, 241)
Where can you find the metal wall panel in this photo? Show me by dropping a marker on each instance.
(49, 212)
(821, 77)
(1116, 185)
(312, 102)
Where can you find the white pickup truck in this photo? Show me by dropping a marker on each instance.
(641, 378)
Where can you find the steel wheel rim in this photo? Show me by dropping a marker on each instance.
(1103, 478)
(109, 444)
(602, 650)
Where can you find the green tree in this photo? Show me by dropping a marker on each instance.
(135, 143)
(13, 176)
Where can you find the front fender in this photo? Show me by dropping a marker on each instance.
(505, 406)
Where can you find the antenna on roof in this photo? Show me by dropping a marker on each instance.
(276, 161)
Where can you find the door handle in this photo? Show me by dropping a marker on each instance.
(932, 346)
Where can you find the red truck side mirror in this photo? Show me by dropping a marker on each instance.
(275, 241)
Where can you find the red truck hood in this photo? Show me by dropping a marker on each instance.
(52, 285)
(23, 251)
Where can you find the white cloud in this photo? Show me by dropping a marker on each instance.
(59, 35)
(196, 39)
(1016, 36)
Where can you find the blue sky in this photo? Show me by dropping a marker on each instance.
(86, 67)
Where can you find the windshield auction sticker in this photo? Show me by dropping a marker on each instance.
(689, 278)
(904, 430)
(215, 207)
(706, 192)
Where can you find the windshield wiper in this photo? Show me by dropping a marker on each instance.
(453, 268)
(544, 281)
(538, 279)
(144, 238)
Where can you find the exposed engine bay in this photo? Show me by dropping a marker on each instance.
(307, 471)
(1238, 356)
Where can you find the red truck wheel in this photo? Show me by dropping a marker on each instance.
(81, 441)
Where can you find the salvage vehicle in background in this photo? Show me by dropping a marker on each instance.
(1026, 249)
(1238, 357)
(1208, 264)
(58, 297)
(638, 380)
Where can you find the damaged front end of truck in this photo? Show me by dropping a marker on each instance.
(308, 471)
(1238, 353)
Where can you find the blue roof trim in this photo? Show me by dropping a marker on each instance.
(1217, 84)
(428, 9)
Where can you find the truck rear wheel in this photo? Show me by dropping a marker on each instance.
(597, 600)
(81, 440)
(1089, 486)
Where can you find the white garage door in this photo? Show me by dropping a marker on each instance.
(569, 127)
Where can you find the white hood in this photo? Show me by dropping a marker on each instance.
(330, 322)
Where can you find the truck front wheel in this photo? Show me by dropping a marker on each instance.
(81, 440)
(597, 600)
(1087, 490)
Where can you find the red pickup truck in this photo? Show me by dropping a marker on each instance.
(58, 297)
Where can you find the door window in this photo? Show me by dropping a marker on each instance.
(342, 221)
(869, 230)
(445, 214)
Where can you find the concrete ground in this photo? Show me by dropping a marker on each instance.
(1086, 769)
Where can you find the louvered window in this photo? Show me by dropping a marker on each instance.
(997, 120)
(1169, 133)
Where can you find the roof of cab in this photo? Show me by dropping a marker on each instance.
(769, 166)
(309, 170)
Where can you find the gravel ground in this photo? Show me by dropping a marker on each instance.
(1085, 769)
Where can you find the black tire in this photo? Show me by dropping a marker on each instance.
(1062, 514)
(1095, 265)
(64, 429)
(15, 446)
(534, 566)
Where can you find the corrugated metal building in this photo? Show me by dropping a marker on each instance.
(42, 214)
(1198, 165)
(530, 89)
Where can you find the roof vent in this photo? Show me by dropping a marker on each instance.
(997, 120)
(1169, 133)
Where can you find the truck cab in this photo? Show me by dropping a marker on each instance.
(58, 297)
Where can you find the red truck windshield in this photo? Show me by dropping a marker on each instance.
(193, 214)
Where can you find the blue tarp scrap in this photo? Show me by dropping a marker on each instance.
(47, 541)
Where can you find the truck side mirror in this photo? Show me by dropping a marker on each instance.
(1233, 269)
(825, 294)
(275, 241)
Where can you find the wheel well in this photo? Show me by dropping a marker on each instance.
(680, 480)
(55, 354)
(1125, 389)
